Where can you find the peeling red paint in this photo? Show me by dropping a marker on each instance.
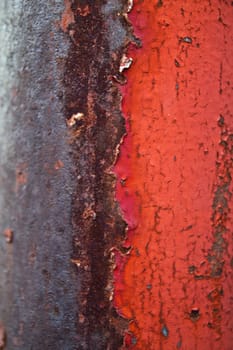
(175, 178)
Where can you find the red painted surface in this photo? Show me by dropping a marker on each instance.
(174, 178)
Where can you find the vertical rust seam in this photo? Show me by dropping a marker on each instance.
(96, 127)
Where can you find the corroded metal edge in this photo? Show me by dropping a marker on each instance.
(100, 33)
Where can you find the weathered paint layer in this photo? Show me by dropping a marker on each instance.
(175, 178)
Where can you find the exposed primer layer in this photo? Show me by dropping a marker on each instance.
(99, 36)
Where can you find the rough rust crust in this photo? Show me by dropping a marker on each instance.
(96, 127)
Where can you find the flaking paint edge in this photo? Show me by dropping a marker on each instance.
(120, 63)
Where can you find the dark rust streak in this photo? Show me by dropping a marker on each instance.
(92, 111)
(222, 196)
(220, 218)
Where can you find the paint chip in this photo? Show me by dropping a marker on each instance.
(8, 233)
(125, 63)
(58, 164)
(77, 262)
(187, 40)
(74, 119)
(130, 5)
(134, 341)
(165, 331)
(84, 11)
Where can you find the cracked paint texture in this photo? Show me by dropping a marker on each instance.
(175, 178)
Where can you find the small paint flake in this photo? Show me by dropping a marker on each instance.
(165, 331)
(130, 5)
(8, 233)
(58, 165)
(89, 213)
(77, 262)
(84, 11)
(81, 318)
(187, 40)
(125, 63)
(134, 340)
(74, 119)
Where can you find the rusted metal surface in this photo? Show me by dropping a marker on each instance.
(70, 278)
(99, 34)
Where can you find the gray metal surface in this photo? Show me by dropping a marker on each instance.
(38, 283)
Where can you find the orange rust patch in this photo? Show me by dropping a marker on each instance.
(89, 213)
(58, 164)
(8, 233)
(67, 16)
(84, 11)
(21, 176)
(53, 168)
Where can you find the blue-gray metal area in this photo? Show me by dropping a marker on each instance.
(38, 283)
(60, 127)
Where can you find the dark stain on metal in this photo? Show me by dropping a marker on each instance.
(222, 196)
(134, 341)
(165, 331)
(92, 111)
(200, 277)
(192, 269)
(194, 314)
(220, 218)
(220, 78)
(160, 3)
(177, 63)
(215, 294)
(187, 228)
